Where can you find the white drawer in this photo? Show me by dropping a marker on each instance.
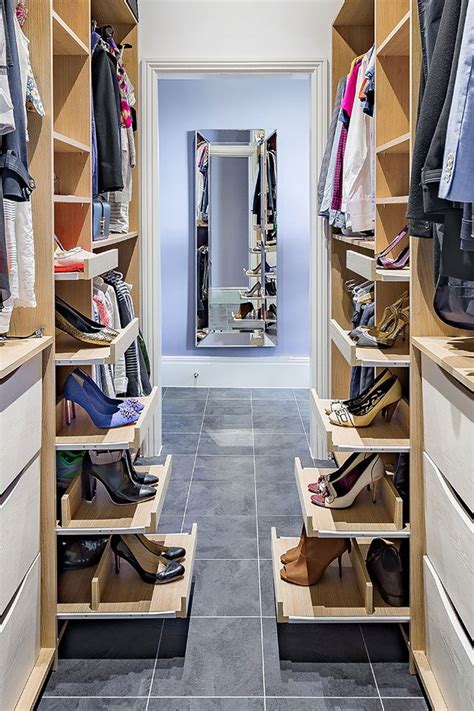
(20, 419)
(448, 415)
(20, 638)
(448, 648)
(19, 530)
(450, 542)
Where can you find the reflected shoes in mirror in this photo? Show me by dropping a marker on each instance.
(315, 556)
(76, 394)
(153, 569)
(384, 398)
(245, 311)
(341, 492)
(387, 567)
(257, 270)
(256, 290)
(112, 469)
(81, 327)
(270, 287)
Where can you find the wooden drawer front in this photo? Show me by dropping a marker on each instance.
(20, 638)
(19, 530)
(448, 648)
(20, 419)
(448, 414)
(450, 542)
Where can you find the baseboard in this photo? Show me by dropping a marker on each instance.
(204, 372)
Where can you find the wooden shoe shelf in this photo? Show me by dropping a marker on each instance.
(94, 265)
(69, 351)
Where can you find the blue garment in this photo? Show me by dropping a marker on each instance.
(457, 182)
(362, 377)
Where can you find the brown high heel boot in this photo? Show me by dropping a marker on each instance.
(315, 556)
(293, 553)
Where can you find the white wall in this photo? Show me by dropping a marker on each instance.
(232, 29)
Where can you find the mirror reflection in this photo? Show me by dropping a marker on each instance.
(236, 238)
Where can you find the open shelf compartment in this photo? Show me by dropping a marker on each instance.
(348, 599)
(93, 266)
(380, 436)
(101, 516)
(65, 40)
(397, 42)
(83, 434)
(394, 357)
(69, 351)
(363, 518)
(113, 238)
(100, 593)
(365, 266)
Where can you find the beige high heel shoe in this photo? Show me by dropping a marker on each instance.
(383, 399)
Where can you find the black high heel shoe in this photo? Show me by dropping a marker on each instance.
(145, 563)
(168, 552)
(139, 477)
(111, 469)
(81, 327)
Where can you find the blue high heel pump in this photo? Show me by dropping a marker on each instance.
(100, 401)
(75, 394)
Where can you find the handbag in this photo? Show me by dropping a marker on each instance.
(133, 5)
(100, 218)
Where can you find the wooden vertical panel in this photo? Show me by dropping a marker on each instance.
(388, 14)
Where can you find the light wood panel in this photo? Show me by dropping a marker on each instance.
(112, 12)
(93, 266)
(397, 356)
(65, 40)
(113, 238)
(363, 518)
(69, 351)
(13, 354)
(455, 355)
(397, 42)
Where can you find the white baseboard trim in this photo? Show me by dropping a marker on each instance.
(179, 371)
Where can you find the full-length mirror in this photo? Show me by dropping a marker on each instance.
(236, 238)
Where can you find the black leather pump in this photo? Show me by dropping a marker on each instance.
(145, 563)
(168, 552)
(112, 470)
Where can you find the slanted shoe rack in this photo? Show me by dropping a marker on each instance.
(354, 598)
(32, 373)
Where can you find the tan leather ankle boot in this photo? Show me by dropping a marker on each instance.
(315, 556)
(293, 553)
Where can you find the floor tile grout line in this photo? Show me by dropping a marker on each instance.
(371, 667)
(259, 579)
(155, 665)
(302, 423)
(194, 463)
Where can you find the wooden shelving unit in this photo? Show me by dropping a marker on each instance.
(101, 594)
(101, 516)
(69, 351)
(93, 266)
(454, 354)
(65, 41)
(395, 357)
(364, 518)
(113, 239)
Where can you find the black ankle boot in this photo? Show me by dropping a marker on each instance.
(140, 477)
(111, 469)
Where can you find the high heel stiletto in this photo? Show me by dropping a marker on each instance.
(100, 400)
(293, 553)
(315, 556)
(74, 392)
(169, 552)
(355, 401)
(112, 470)
(383, 399)
(382, 258)
(244, 311)
(395, 323)
(342, 492)
(144, 562)
(80, 327)
(256, 290)
(355, 460)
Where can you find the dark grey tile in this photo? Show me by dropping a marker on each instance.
(208, 704)
(104, 639)
(292, 445)
(405, 705)
(324, 705)
(277, 468)
(227, 422)
(224, 536)
(305, 660)
(182, 467)
(223, 468)
(211, 657)
(218, 498)
(272, 394)
(229, 393)
(272, 408)
(182, 423)
(186, 393)
(385, 643)
(127, 704)
(101, 677)
(306, 420)
(170, 523)
(267, 588)
(181, 406)
(223, 442)
(176, 496)
(228, 407)
(180, 443)
(288, 424)
(394, 679)
(285, 526)
(225, 587)
(278, 499)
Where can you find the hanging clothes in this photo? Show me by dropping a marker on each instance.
(329, 143)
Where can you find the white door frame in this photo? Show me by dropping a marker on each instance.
(150, 210)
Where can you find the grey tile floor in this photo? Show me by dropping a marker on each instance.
(233, 456)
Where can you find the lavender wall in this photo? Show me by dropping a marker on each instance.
(185, 105)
